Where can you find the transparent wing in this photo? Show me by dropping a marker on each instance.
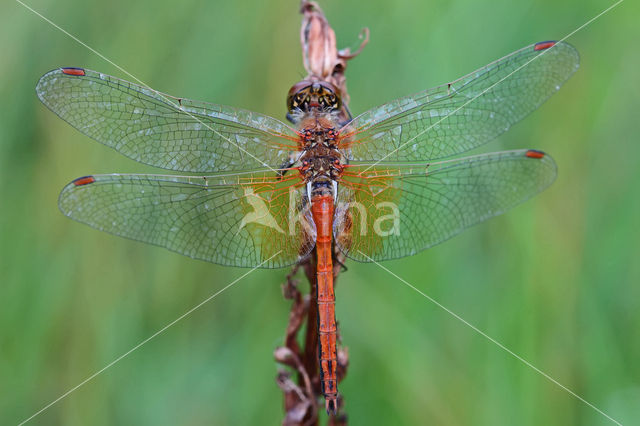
(163, 131)
(464, 114)
(238, 220)
(390, 211)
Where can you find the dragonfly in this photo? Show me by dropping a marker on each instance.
(254, 191)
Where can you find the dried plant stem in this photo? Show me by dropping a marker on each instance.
(302, 397)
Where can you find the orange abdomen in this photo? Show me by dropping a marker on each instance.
(322, 210)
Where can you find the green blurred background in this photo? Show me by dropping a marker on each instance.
(556, 280)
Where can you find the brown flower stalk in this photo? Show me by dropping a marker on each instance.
(302, 393)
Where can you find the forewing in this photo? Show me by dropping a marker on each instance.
(464, 114)
(240, 220)
(387, 212)
(164, 131)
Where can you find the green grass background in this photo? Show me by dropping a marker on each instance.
(556, 280)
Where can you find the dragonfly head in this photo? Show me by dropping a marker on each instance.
(306, 95)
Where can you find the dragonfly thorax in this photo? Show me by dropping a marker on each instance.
(321, 160)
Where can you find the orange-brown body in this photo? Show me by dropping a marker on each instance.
(321, 165)
(322, 211)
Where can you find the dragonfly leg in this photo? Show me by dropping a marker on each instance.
(340, 263)
(284, 168)
(309, 190)
(291, 118)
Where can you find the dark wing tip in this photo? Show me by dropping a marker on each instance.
(41, 85)
(567, 53)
